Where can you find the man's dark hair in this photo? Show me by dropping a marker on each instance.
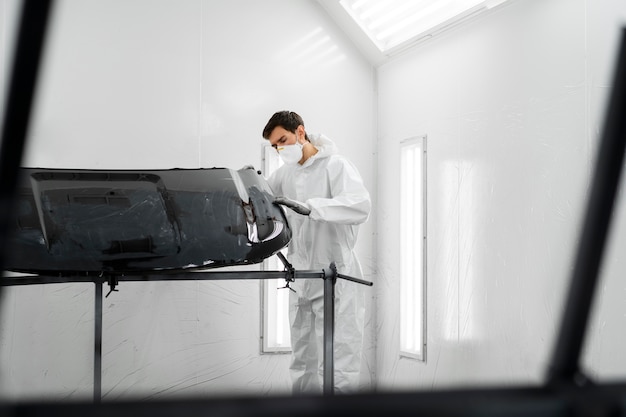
(288, 120)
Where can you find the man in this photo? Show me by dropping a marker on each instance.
(330, 187)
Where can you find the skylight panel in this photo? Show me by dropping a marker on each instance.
(392, 23)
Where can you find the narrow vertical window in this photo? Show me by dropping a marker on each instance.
(412, 246)
(275, 302)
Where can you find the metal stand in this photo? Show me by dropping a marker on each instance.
(329, 276)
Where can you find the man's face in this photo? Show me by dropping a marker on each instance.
(281, 136)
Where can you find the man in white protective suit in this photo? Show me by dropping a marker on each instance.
(330, 186)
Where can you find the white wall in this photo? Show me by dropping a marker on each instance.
(512, 105)
(163, 84)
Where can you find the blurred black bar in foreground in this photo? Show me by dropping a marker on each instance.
(564, 366)
(27, 54)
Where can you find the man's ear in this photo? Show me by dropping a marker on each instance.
(300, 131)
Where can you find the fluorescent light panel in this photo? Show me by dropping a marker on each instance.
(412, 206)
(390, 23)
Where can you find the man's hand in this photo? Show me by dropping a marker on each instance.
(296, 206)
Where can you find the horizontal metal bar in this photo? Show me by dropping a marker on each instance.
(46, 279)
(188, 276)
(178, 276)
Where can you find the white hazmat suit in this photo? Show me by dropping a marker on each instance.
(331, 187)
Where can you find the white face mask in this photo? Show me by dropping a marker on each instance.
(291, 154)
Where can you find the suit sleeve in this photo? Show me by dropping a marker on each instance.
(349, 201)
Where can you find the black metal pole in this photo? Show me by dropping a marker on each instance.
(30, 37)
(565, 359)
(97, 355)
(357, 280)
(330, 278)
